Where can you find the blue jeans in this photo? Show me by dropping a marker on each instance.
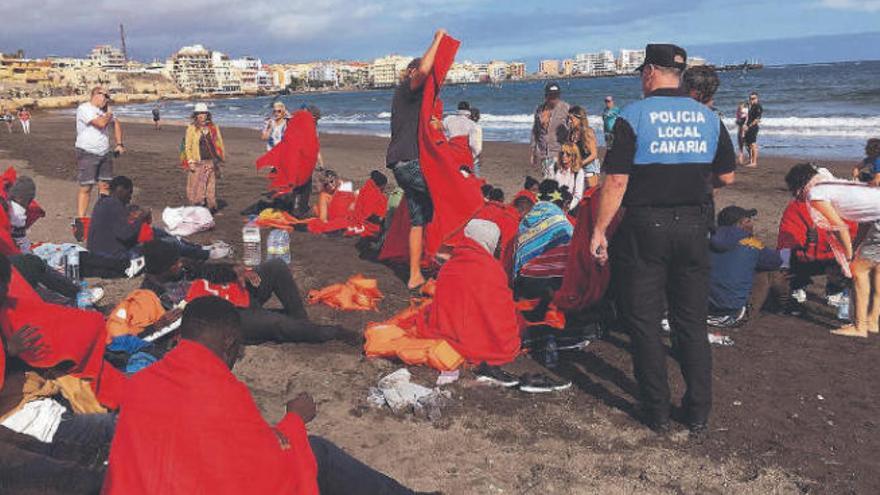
(418, 199)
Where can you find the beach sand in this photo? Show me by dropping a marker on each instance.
(795, 408)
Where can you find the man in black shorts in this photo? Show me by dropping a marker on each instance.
(403, 154)
(756, 111)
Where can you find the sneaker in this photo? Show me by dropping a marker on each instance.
(799, 295)
(94, 295)
(496, 376)
(664, 325)
(727, 321)
(219, 250)
(835, 300)
(136, 267)
(538, 383)
(575, 343)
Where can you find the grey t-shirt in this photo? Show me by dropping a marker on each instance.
(405, 108)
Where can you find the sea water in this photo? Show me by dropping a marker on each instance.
(810, 111)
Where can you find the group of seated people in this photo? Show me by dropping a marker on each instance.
(68, 402)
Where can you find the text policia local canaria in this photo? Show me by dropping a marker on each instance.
(675, 133)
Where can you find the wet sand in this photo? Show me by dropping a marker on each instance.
(771, 431)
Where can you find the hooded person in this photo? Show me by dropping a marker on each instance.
(188, 425)
(473, 308)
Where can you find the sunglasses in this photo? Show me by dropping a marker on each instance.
(278, 111)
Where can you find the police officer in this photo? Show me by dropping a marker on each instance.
(668, 153)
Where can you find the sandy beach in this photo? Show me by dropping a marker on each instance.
(795, 408)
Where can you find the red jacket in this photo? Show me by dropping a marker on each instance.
(793, 227)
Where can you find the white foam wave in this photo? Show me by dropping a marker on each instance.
(844, 127)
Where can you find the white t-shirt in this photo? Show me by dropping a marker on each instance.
(853, 201)
(88, 137)
(575, 183)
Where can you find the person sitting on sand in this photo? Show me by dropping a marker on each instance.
(188, 425)
(361, 214)
(808, 250)
(248, 288)
(868, 170)
(473, 307)
(203, 152)
(116, 230)
(743, 271)
(832, 203)
(568, 173)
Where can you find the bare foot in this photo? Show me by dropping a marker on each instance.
(415, 282)
(751, 165)
(850, 331)
(874, 327)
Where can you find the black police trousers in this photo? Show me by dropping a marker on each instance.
(661, 262)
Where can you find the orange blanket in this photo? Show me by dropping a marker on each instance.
(295, 157)
(356, 294)
(187, 425)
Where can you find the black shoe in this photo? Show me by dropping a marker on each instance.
(660, 427)
(537, 383)
(496, 376)
(698, 430)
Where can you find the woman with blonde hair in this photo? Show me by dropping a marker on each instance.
(203, 152)
(275, 125)
(569, 173)
(581, 134)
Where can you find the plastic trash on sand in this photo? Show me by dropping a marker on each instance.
(401, 395)
(718, 339)
(187, 220)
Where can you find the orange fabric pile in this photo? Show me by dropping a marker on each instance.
(357, 294)
(276, 219)
(399, 337)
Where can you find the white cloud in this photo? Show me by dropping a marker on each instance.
(856, 5)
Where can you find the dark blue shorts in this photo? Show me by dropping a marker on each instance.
(409, 177)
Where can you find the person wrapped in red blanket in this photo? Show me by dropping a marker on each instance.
(439, 200)
(7, 244)
(187, 425)
(473, 308)
(72, 340)
(293, 160)
(364, 216)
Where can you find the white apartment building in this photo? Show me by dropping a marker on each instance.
(630, 60)
(192, 68)
(107, 57)
(695, 61)
(462, 73)
(592, 64)
(497, 70)
(324, 74)
(385, 72)
(227, 81)
(246, 69)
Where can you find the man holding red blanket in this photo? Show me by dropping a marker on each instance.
(293, 160)
(424, 162)
(187, 425)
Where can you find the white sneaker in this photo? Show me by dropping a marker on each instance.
(136, 267)
(835, 300)
(219, 250)
(95, 294)
(799, 295)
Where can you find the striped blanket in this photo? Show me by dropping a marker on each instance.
(544, 227)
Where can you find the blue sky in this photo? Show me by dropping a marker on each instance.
(301, 30)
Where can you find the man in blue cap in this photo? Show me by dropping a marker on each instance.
(668, 153)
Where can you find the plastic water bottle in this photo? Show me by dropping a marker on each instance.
(71, 267)
(551, 352)
(843, 307)
(278, 245)
(83, 300)
(250, 236)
